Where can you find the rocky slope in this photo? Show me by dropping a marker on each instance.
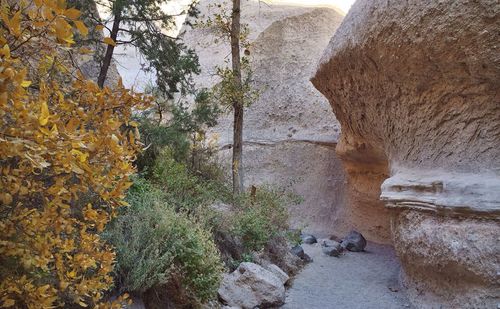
(415, 86)
(290, 133)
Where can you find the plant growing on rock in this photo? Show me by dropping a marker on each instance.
(66, 152)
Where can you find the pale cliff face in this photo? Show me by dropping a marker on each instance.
(130, 61)
(290, 133)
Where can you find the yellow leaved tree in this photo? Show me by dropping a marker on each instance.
(66, 153)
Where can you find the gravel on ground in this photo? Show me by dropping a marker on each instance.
(354, 280)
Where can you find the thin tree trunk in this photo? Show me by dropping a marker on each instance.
(106, 62)
(237, 164)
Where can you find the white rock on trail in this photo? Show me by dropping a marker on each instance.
(250, 285)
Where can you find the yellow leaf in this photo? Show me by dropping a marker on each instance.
(76, 169)
(47, 13)
(99, 27)
(5, 51)
(4, 97)
(80, 155)
(8, 303)
(85, 51)
(63, 31)
(6, 198)
(109, 41)
(81, 28)
(54, 130)
(25, 83)
(44, 114)
(72, 13)
(15, 24)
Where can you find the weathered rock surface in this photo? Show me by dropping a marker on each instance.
(449, 260)
(354, 241)
(298, 251)
(415, 86)
(331, 248)
(250, 286)
(308, 239)
(290, 133)
(278, 272)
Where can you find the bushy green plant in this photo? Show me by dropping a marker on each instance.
(177, 127)
(293, 236)
(262, 216)
(183, 190)
(156, 245)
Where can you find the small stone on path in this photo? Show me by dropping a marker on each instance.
(331, 248)
(354, 242)
(298, 251)
(355, 281)
(308, 239)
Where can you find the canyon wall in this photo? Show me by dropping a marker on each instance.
(290, 133)
(415, 86)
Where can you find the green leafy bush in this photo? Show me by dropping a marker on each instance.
(262, 216)
(177, 127)
(183, 190)
(156, 245)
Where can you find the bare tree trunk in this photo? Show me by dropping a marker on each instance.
(106, 62)
(237, 164)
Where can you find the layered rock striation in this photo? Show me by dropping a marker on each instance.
(415, 86)
(290, 133)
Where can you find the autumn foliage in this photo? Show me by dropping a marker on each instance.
(66, 152)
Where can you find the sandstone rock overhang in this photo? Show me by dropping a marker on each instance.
(419, 82)
(415, 86)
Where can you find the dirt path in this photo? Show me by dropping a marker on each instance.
(354, 280)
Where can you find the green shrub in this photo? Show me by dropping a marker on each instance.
(293, 236)
(183, 190)
(261, 217)
(156, 245)
(177, 126)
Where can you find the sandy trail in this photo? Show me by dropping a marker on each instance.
(354, 280)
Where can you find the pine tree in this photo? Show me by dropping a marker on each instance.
(144, 25)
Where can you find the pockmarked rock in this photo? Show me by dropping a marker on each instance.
(250, 286)
(289, 134)
(414, 85)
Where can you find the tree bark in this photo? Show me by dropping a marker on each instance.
(106, 62)
(237, 163)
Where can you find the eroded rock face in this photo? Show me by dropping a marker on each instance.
(290, 133)
(415, 86)
(448, 260)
